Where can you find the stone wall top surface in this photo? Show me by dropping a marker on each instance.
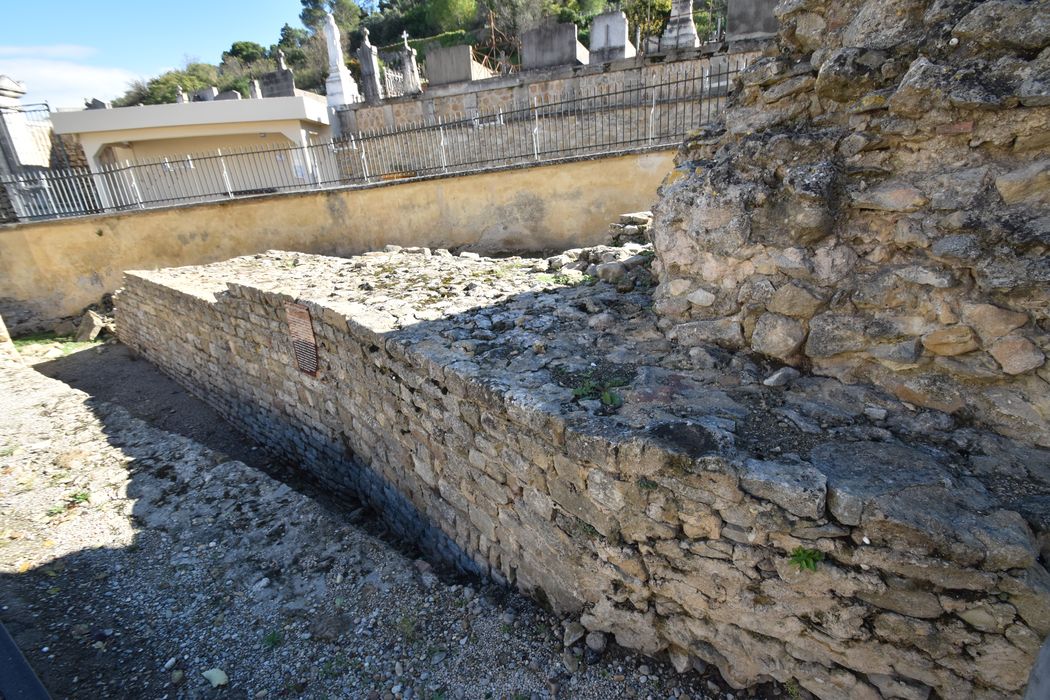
(549, 345)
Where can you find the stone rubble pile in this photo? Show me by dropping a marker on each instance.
(875, 207)
(539, 428)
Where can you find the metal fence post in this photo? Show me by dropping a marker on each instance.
(444, 153)
(652, 116)
(536, 129)
(225, 175)
(134, 183)
(364, 160)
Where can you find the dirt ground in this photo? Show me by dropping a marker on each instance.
(144, 543)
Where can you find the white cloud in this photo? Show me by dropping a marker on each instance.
(64, 83)
(68, 51)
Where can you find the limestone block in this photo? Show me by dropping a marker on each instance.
(777, 336)
(954, 340)
(722, 331)
(1016, 354)
(1030, 184)
(890, 196)
(992, 322)
(796, 301)
(834, 334)
(792, 484)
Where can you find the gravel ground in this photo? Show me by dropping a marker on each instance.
(135, 560)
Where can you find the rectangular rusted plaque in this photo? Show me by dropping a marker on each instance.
(301, 330)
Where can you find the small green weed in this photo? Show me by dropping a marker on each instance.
(7, 451)
(647, 484)
(66, 343)
(79, 497)
(611, 398)
(806, 559)
(273, 639)
(55, 510)
(792, 689)
(408, 628)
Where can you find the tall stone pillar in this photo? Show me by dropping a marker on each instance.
(369, 57)
(680, 32)
(340, 86)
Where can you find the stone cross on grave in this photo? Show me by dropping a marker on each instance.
(413, 85)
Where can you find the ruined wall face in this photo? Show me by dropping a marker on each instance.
(876, 206)
(670, 522)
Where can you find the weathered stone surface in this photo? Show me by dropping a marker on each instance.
(1006, 24)
(833, 334)
(890, 196)
(666, 520)
(859, 473)
(777, 336)
(796, 301)
(954, 340)
(792, 484)
(722, 331)
(1029, 184)
(91, 324)
(1016, 354)
(992, 322)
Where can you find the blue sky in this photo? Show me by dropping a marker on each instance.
(68, 50)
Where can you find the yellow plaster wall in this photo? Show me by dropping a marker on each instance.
(49, 270)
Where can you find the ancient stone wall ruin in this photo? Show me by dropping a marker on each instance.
(876, 207)
(545, 433)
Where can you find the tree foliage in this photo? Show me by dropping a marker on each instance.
(347, 14)
(430, 22)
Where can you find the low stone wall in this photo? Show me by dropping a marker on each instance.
(543, 432)
(876, 206)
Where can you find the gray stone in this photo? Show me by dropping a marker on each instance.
(890, 196)
(834, 334)
(858, 473)
(1006, 24)
(596, 641)
(1039, 680)
(574, 632)
(796, 301)
(1030, 184)
(791, 483)
(612, 271)
(777, 336)
(91, 324)
(782, 377)
(927, 276)
(720, 331)
(1016, 354)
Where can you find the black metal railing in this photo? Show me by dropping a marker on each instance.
(593, 122)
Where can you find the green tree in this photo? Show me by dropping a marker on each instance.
(447, 15)
(347, 14)
(649, 16)
(164, 87)
(245, 51)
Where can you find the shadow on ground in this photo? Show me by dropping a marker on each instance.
(226, 568)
